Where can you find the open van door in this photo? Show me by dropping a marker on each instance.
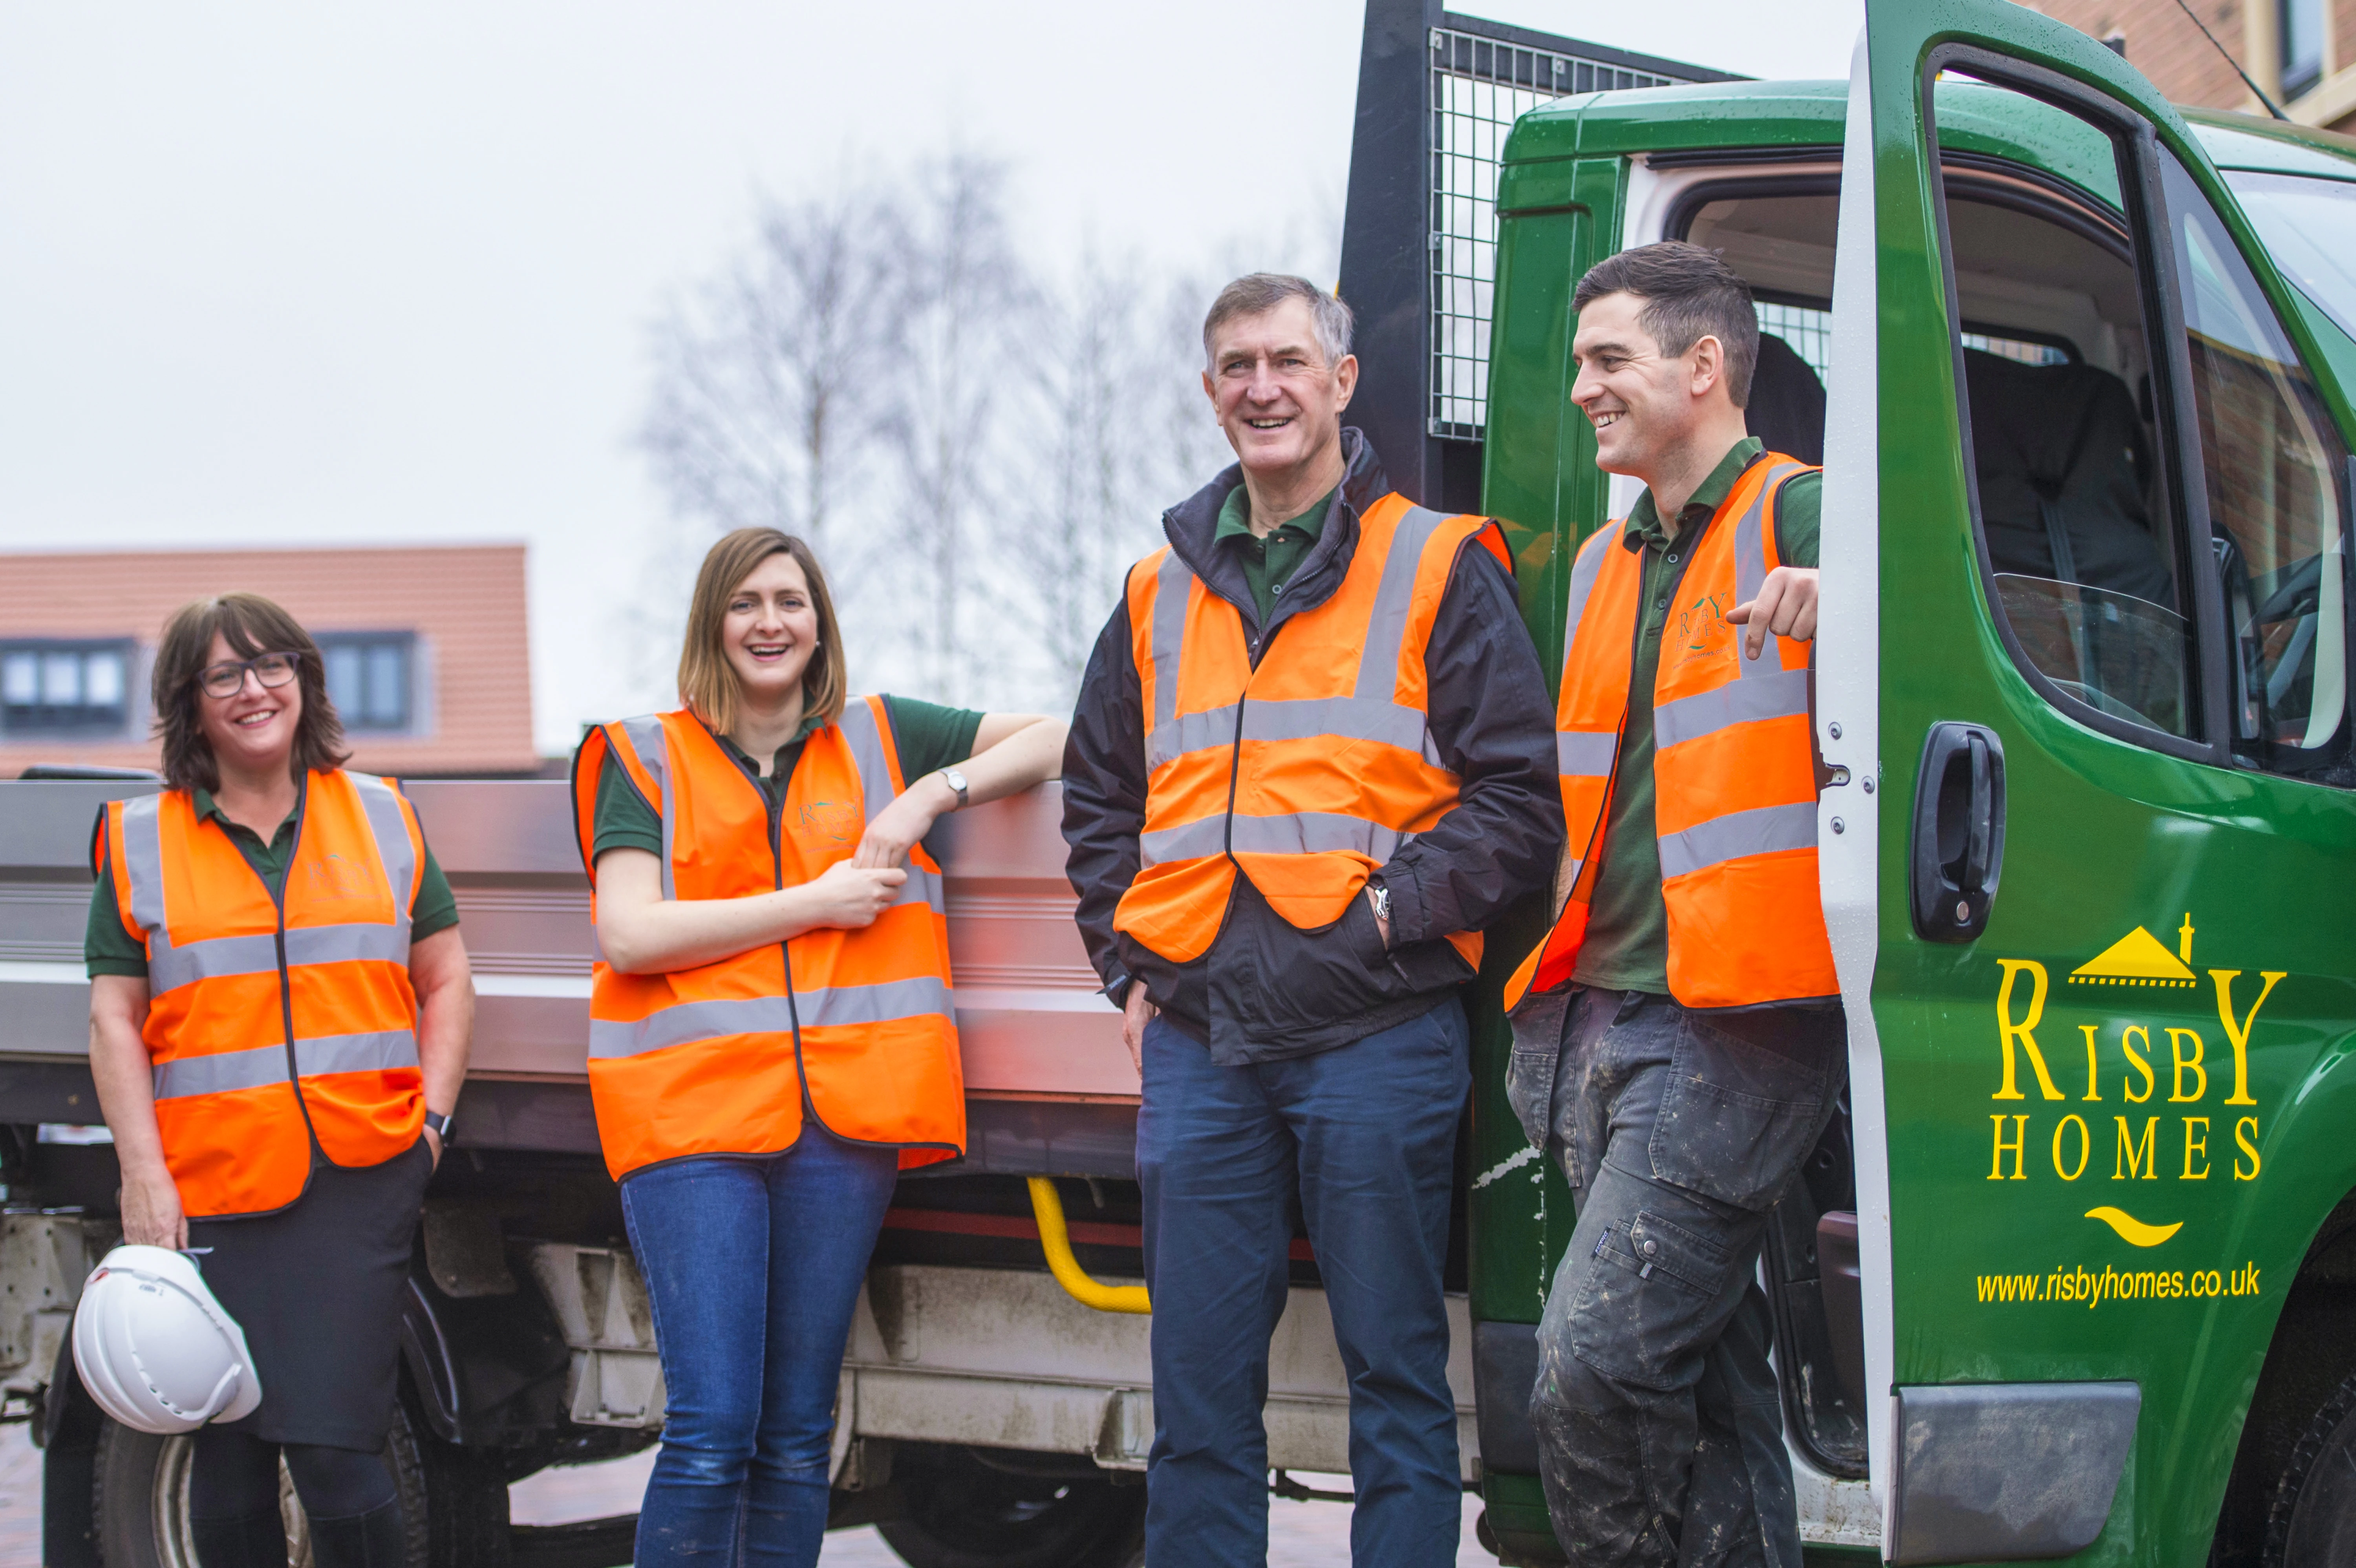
(2089, 851)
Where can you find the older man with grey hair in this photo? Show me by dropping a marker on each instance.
(1314, 757)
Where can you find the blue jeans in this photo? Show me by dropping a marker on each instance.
(752, 1268)
(1362, 1139)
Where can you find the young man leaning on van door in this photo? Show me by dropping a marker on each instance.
(1678, 1037)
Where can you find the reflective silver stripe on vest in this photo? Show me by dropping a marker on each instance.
(923, 995)
(1585, 753)
(1297, 832)
(220, 1073)
(1172, 586)
(1779, 695)
(685, 1022)
(1344, 718)
(1584, 569)
(653, 747)
(395, 855)
(1759, 831)
(170, 967)
(1214, 726)
(1378, 655)
(1751, 569)
(877, 792)
(1187, 841)
(382, 1052)
(1315, 833)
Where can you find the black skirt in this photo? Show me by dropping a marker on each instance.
(317, 1288)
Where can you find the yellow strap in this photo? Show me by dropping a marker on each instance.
(1048, 1208)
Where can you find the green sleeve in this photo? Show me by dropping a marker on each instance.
(625, 820)
(106, 947)
(435, 907)
(927, 735)
(1799, 517)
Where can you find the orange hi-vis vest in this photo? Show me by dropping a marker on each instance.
(234, 974)
(1734, 777)
(1307, 772)
(721, 1059)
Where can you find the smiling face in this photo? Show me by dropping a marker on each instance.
(770, 631)
(1643, 403)
(251, 732)
(1276, 396)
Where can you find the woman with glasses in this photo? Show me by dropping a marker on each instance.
(771, 1039)
(280, 1006)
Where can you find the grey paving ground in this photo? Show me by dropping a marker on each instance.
(1301, 1535)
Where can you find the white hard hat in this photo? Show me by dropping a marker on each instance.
(156, 1349)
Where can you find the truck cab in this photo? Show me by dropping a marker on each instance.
(2065, 1278)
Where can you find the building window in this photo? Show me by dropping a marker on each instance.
(2300, 22)
(372, 679)
(55, 688)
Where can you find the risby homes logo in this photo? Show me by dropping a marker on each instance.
(2157, 1091)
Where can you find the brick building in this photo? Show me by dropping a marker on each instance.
(2302, 52)
(427, 660)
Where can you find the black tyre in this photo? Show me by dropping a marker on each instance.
(2312, 1523)
(454, 1503)
(963, 1513)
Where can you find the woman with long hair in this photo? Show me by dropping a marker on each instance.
(771, 1035)
(279, 1013)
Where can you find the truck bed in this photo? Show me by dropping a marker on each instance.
(1049, 1087)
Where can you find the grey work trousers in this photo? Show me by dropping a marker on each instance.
(1658, 1421)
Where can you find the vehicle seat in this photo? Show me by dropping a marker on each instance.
(1788, 402)
(2062, 465)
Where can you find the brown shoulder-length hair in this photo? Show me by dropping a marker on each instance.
(253, 625)
(707, 681)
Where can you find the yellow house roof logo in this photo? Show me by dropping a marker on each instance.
(2138, 959)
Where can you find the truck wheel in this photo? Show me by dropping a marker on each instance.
(2313, 1521)
(140, 1497)
(965, 1514)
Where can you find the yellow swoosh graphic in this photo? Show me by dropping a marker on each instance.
(2133, 1231)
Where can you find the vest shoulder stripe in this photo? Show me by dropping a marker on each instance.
(1778, 695)
(1759, 831)
(861, 732)
(1173, 588)
(1585, 568)
(1379, 659)
(396, 852)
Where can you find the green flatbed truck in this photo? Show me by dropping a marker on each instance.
(2074, 1275)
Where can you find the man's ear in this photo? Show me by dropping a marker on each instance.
(1708, 364)
(1345, 381)
(1211, 392)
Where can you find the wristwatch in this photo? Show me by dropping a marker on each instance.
(441, 1122)
(955, 781)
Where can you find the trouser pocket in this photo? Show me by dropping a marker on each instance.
(1537, 1058)
(1736, 1119)
(1650, 1299)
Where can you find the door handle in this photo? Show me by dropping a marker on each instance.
(1958, 847)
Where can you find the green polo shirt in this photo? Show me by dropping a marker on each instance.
(927, 737)
(109, 949)
(1270, 562)
(1627, 945)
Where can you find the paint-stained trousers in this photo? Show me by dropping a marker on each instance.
(1657, 1416)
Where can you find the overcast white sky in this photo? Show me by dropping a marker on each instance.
(370, 273)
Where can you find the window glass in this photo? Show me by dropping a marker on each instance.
(2309, 230)
(2273, 464)
(64, 688)
(2082, 533)
(368, 680)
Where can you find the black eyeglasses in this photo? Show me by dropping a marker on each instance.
(228, 679)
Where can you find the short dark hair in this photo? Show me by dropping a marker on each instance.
(253, 625)
(1688, 294)
(1256, 293)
